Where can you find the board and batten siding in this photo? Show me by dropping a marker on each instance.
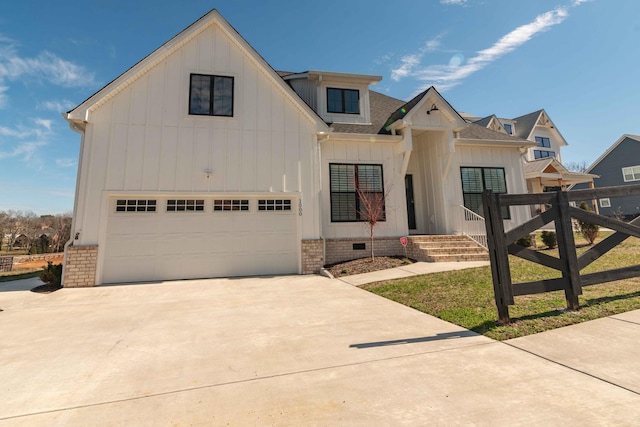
(625, 154)
(143, 141)
(485, 156)
(336, 151)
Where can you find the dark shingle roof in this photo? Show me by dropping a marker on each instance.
(382, 106)
(474, 131)
(526, 123)
(485, 121)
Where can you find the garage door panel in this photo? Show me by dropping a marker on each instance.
(151, 246)
(279, 222)
(273, 242)
(146, 224)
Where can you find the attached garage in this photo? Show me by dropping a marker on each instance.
(151, 239)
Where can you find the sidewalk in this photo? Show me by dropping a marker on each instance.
(410, 270)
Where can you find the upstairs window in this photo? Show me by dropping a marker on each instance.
(211, 95)
(349, 184)
(476, 180)
(543, 142)
(345, 101)
(508, 129)
(631, 173)
(543, 154)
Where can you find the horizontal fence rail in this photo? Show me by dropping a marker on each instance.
(501, 244)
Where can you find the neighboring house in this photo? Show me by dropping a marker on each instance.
(202, 161)
(619, 165)
(543, 166)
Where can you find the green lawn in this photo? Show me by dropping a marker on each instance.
(465, 297)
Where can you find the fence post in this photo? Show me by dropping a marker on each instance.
(567, 252)
(498, 255)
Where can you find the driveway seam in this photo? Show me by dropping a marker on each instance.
(572, 368)
(624, 320)
(247, 380)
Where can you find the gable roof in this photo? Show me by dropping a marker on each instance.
(407, 109)
(610, 149)
(485, 121)
(526, 123)
(80, 113)
(541, 166)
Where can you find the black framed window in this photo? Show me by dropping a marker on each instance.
(274, 205)
(211, 95)
(230, 205)
(543, 142)
(543, 154)
(349, 184)
(345, 101)
(129, 205)
(476, 180)
(185, 205)
(508, 129)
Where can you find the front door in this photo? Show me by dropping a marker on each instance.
(411, 208)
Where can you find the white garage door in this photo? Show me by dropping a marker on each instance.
(164, 239)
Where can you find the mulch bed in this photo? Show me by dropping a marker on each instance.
(46, 288)
(367, 265)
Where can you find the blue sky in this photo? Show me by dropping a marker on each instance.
(577, 59)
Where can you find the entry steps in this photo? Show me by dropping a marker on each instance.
(441, 248)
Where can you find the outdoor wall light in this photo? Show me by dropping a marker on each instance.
(208, 172)
(433, 108)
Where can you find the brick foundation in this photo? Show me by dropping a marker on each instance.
(339, 250)
(312, 258)
(80, 264)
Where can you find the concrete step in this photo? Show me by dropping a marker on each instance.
(441, 248)
(448, 244)
(469, 250)
(437, 238)
(458, 257)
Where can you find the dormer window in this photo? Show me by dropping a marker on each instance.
(543, 142)
(345, 101)
(508, 129)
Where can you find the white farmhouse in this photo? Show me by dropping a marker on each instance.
(202, 161)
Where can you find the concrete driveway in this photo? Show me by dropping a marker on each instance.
(295, 350)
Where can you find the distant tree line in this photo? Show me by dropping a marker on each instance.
(34, 234)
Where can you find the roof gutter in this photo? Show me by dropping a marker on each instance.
(80, 127)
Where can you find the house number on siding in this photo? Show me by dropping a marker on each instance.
(299, 207)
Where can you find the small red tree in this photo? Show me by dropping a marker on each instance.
(372, 210)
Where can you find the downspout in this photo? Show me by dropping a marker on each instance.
(320, 193)
(72, 235)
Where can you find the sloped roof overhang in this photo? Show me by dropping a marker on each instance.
(80, 115)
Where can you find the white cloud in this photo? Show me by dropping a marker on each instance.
(409, 62)
(45, 66)
(65, 163)
(3, 96)
(447, 76)
(15, 133)
(456, 2)
(24, 150)
(45, 123)
(58, 106)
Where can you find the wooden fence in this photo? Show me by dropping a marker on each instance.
(502, 243)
